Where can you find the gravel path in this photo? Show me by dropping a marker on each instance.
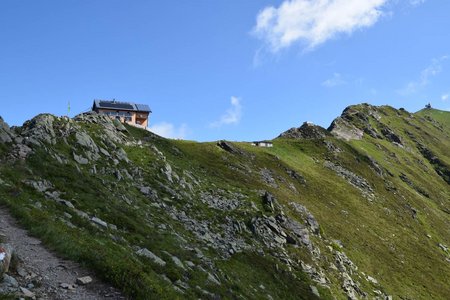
(45, 271)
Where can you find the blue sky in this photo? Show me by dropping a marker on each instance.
(239, 70)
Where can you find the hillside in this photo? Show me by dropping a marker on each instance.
(361, 209)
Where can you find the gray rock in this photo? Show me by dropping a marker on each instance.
(269, 231)
(189, 263)
(167, 170)
(178, 262)
(122, 155)
(39, 130)
(84, 140)
(310, 220)
(315, 291)
(6, 136)
(67, 286)
(66, 203)
(372, 280)
(40, 185)
(150, 255)
(80, 159)
(443, 247)
(149, 192)
(213, 279)
(355, 180)
(26, 292)
(269, 201)
(229, 147)
(222, 200)
(343, 129)
(84, 280)
(21, 151)
(119, 125)
(267, 177)
(306, 131)
(10, 281)
(99, 222)
(104, 152)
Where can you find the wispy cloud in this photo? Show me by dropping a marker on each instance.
(425, 77)
(233, 114)
(334, 81)
(416, 2)
(314, 22)
(444, 97)
(169, 130)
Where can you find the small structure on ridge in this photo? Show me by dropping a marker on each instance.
(266, 144)
(126, 112)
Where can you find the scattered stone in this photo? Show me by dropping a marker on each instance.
(10, 281)
(213, 279)
(67, 286)
(315, 291)
(26, 292)
(80, 159)
(443, 247)
(84, 280)
(177, 262)
(267, 177)
(269, 201)
(99, 222)
(219, 199)
(148, 254)
(372, 280)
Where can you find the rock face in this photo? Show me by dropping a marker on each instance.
(39, 130)
(355, 121)
(6, 135)
(345, 130)
(306, 131)
(229, 147)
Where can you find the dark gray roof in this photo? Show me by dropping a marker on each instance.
(113, 104)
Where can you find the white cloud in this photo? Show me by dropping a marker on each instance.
(168, 130)
(425, 77)
(416, 2)
(233, 114)
(444, 97)
(314, 22)
(334, 81)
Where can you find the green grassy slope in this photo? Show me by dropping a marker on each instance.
(383, 200)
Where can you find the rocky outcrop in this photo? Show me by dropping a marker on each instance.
(440, 167)
(306, 131)
(343, 129)
(39, 130)
(355, 180)
(229, 147)
(6, 136)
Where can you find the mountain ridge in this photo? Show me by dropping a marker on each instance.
(338, 213)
